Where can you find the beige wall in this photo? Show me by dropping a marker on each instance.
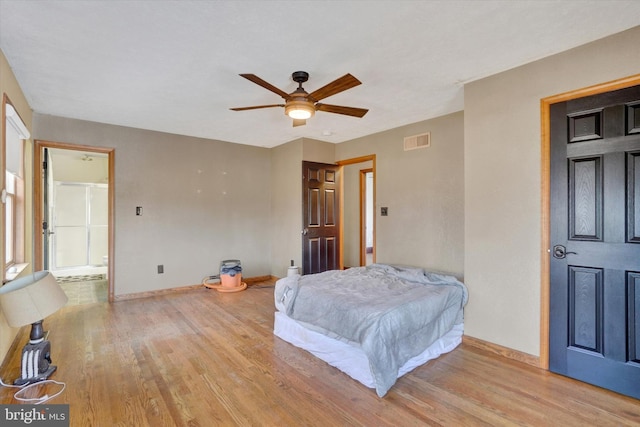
(424, 191)
(203, 201)
(502, 183)
(286, 202)
(317, 151)
(10, 87)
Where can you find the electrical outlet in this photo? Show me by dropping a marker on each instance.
(160, 269)
(384, 211)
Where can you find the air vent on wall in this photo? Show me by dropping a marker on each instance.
(422, 140)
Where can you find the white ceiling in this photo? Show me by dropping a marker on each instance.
(173, 66)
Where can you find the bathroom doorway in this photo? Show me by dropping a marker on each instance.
(74, 198)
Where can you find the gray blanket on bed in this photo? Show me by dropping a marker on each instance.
(393, 313)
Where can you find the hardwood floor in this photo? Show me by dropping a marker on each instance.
(203, 358)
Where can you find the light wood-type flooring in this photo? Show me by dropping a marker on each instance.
(202, 358)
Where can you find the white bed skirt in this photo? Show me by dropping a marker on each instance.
(351, 359)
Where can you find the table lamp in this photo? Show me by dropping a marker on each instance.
(28, 300)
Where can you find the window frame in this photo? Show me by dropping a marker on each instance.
(10, 229)
(18, 196)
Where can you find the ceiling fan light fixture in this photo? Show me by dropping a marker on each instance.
(299, 114)
(301, 110)
(300, 105)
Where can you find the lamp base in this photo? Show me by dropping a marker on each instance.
(36, 363)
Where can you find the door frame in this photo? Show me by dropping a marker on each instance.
(38, 216)
(369, 158)
(545, 185)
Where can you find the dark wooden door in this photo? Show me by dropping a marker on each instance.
(595, 237)
(321, 216)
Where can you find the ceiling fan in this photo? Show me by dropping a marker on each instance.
(300, 105)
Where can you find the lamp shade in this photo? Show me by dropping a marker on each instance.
(299, 109)
(31, 298)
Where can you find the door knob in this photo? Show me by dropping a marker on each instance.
(305, 232)
(560, 252)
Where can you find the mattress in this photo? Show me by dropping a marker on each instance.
(349, 358)
(389, 313)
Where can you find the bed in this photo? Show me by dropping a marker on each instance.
(374, 323)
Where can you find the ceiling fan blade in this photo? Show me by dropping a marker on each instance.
(338, 109)
(257, 80)
(343, 83)
(299, 122)
(255, 107)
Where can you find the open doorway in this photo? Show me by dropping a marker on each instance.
(367, 210)
(73, 208)
(358, 211)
